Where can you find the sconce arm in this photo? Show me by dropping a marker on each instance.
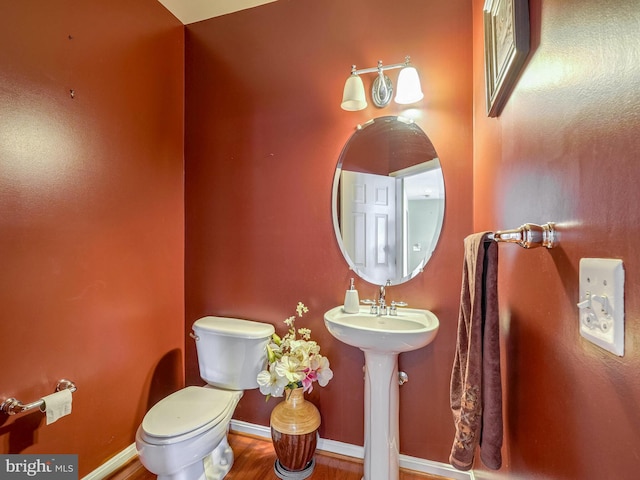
(381, 68)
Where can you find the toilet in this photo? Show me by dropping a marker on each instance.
(184, 436)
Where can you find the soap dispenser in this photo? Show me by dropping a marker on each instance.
(351, 300)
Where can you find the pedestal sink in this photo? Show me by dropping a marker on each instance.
(382, 338)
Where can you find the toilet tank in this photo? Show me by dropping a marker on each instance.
(231, 351)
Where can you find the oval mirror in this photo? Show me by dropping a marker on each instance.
(388, 200)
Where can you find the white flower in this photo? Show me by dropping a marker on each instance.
(305, 332)
(289, 368)
(301, 308)
(321, 365)
(270, 384)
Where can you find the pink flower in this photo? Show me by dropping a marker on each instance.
(310, 376)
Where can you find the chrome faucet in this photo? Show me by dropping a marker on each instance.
(381, 298)
(379, 307)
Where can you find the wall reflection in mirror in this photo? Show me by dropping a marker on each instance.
(388, 200)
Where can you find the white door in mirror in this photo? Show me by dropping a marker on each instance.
(368, 204)
(601, 305)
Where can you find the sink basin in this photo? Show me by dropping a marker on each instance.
(409, 330)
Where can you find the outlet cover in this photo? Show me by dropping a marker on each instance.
(601, 304)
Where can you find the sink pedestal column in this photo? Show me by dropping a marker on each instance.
(381, 416)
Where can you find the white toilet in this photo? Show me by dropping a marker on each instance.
(184, 436)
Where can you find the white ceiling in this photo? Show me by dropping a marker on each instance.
(190, 11)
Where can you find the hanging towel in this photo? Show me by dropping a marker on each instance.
(476, 390)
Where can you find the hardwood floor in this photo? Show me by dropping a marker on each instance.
(254, 458)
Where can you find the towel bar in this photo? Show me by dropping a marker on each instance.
(11, 406)
(529, 235)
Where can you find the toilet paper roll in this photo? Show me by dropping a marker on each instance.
(57, 405)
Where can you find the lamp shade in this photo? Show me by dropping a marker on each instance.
(353, 97)
(409, 89)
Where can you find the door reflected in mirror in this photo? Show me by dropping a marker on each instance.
(388, 200)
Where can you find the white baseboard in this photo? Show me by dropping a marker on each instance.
(412, 463)
(114, 464)
(355, 451)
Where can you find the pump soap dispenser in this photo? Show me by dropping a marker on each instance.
(351, 300)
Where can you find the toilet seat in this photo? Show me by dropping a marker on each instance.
(187, 413)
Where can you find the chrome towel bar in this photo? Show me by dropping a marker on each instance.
(11, 406)
(529, 235)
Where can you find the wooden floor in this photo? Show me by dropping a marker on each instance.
(254, 458)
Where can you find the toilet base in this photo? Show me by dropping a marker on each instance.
(218, 464)
(192, 472)
(285, 474)
(214, 466)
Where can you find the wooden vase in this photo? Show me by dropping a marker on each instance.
(294, 430)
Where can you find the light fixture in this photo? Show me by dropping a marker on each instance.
(353, 97)
(409, 89)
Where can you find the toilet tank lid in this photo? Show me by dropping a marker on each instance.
(234, 327)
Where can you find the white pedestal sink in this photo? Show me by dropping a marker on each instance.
(382, 338)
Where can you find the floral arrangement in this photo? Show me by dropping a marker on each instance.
(293, 362)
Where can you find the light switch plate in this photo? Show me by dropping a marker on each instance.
(601, 304)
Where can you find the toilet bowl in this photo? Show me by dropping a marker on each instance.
(184, 436)
(179, 432)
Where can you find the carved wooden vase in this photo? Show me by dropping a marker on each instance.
(294, 431)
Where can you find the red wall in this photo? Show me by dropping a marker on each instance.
(264, 130)
(565, 149)
(91, 218)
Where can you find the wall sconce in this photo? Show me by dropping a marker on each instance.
(409, 89)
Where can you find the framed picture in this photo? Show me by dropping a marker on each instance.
(506, 45)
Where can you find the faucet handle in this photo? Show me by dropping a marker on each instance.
(374, 308)
(393, 310)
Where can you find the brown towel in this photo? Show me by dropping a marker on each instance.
(476, 390)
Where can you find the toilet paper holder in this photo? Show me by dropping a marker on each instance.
(12, 406)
